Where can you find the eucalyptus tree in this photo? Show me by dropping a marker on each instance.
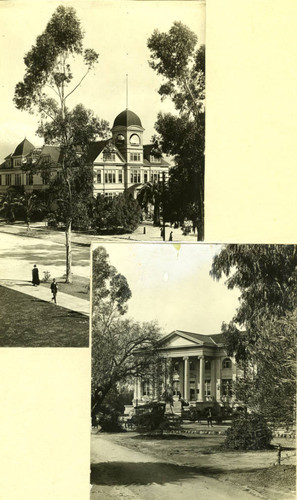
(46, 87)
(262, 333)
(177, 57)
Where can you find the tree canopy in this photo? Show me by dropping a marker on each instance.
(47, 84)
(121, 348)
(261, 334)
(176, 57)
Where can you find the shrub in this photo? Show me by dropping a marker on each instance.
(248, 432)
(46, 276)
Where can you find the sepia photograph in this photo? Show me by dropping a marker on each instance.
(102, 137)
(193, 371)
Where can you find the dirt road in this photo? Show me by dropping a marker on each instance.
(118, 472)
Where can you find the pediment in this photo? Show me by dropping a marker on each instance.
(179, 342)
(114, 158)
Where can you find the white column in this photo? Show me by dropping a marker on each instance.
(187, 377)
(218, 379)
(202, 379)
(213, 379)
(181, 379)
(197, 379)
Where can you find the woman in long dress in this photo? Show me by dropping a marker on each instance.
(35, 276)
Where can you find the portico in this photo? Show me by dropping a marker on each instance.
(194, 368)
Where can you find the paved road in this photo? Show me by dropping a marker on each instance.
(19, 253)
(118, 472)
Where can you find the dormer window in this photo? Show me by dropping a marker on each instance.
(109, 157)
(17, 162)
(155, 159)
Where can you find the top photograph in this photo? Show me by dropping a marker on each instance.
(102, 138)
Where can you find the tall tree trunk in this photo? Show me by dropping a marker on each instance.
(68, 253)
(200, 225)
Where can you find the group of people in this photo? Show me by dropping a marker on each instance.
(36, 282)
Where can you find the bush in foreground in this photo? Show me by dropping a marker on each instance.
(248, 432)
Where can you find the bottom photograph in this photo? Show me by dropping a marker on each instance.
(193, 371)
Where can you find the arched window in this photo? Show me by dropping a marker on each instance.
(120, 139)
(227, 363)
(134, 140)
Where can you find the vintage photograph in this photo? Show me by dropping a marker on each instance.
(102, 138)
(193, 371)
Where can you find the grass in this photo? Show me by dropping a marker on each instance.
(30, 322)
(80, 286)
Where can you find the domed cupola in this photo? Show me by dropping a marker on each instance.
(127, 119)
(127, 134)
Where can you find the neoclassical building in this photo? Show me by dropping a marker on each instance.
(120, 163)
(195, 367)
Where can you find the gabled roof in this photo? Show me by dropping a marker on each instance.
(147, 152)
(95, 148)
(196, 338)
(25, 147)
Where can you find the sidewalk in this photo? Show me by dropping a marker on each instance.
(63, 300)
(152, 233)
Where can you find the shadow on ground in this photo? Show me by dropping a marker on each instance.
(127, 473)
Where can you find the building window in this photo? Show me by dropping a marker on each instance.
(17, 162)
(29, 179)
(99, 177)
(108, 156)
(44, 179)
(227, 387)
(8, 179)
(145, 176)
(154, 177)
(227, 363)
(110, 176)
(207, 364)
(134, 140)
(207, 388)
(135, 176)
(120, 139)
(120, 176)
(134, 156)
(18, 179)
(146, 388)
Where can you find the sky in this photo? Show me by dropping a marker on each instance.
(118, 31)
(170, 284)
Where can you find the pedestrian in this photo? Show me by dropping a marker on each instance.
(171, 236)
(35, 276)
(209, 418)
(54, 290)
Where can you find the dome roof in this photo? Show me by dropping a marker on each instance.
(127, 118)
(23, 148)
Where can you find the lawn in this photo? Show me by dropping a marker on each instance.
(80, 286)
(30, 322)
(254, 471)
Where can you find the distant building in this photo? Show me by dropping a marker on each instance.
(195, 368)
(119, 163)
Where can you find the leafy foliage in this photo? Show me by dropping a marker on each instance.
(119, 214)
(121, 348)
(45, 90)
(175, 57)
(262, 332)
(248, 432)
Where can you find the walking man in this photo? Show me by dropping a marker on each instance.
(54, 290)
